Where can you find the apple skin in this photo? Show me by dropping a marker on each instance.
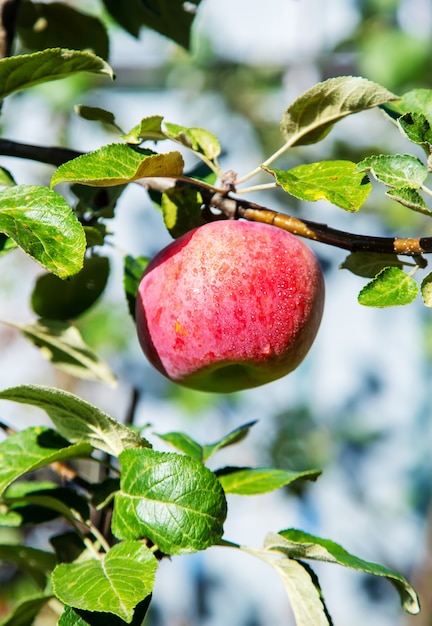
(229, 306)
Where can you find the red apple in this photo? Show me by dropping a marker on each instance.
(230, 305)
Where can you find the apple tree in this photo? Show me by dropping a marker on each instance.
(150, 504)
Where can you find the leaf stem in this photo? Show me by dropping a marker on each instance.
(267, 162)
(258, 188)
(98, 535)
(426, 190)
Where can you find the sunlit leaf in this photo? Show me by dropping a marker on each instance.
(117, 164)
(76, 419)
(64, 346)
(417, 128)
(426, 290)
(399, 171)
(369, 264)
(311, 117)
(410, 198)
(115, 583)
(172, 18)
(304, 596)
(297, 544)
(414, 101)
(391, 287)
(149, 129)
(43, 225)
(198, 139)
(334, 181)
(169, 498)
(251, 481)
(32, 448)
(25, 70)
(6, 178)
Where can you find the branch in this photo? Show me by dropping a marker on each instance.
(235, 208)
(52, 156)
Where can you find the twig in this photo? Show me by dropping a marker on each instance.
(235, 208)
(50, 155)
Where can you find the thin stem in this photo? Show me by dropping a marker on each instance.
(99, 536)
(265, 164)
(234, 208)
(257, 188)
(426, 190)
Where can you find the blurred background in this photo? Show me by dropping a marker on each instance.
(359, 406)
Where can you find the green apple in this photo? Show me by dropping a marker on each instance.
(230, 305)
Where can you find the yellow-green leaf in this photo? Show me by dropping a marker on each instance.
(117, 164)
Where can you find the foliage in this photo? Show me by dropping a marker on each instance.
(157, 503)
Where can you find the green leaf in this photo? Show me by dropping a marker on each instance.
(337, 182)
(311, 117)
(297, 544)
(189, 446)
(6, 178)
(32, 448)
(6, 245)
(25, 70)
(169, 498)
(42, 25)
(417, 128)
(426, 290)
(305, 599)
(62, 502)
(409, 198)
(414, 101)
(149, 129)
(369, 264)
(57, 299)
(96, 114)
(25, 610)
(133, 269)
(391, 287)
(76, 419)
(171, 18)
(117, 164)
(181, 209)
(235, 436)
(42, 224)
(39, 502)
(78, 617)
(398, 171)
(64, 346)
(115, 583)
(198, 139)
(184, 443)
(251, 481)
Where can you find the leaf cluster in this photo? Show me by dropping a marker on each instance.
(160, 504)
